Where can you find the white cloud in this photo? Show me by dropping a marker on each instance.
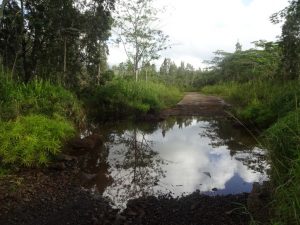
(199, 27)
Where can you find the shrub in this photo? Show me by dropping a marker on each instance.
(121, 98)
(37, 97)
(283, 140)
(259, 102)
(32, 140)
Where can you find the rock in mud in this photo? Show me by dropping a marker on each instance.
(88, 143)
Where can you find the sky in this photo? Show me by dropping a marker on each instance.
(197, 28)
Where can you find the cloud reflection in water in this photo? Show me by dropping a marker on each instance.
(181, 156)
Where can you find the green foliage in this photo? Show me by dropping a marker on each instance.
(290, 39)
(32, 140)
(259, 63)
(136, 27)
(259, 102)
(283, 140)
(182, 76)
(47, 38)
(123, 98)
(274, 105)
(37, 97)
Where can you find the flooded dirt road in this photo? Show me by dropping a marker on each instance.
(174, 157)
(194, 167)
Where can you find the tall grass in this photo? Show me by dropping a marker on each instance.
(259, 102)
(35, 119)
(121, 98)
(283, 140)
(32, 140)
(37, 97)
(274, 106)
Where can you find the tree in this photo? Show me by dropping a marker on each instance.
(136, 27)
(4, 2)
(165, 67)
(54, 39)
(238, 47)
(290, 39)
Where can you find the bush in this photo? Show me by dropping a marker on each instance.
(37, 97)
(283, 140)
(259, 102)
(273, 105)
(32, 140)
(121, 98)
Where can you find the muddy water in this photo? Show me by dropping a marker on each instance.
(176, 157)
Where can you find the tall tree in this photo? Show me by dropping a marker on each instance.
(136, 27)
(238, 47)
(55, 39)
(4, 2)
(290, 39)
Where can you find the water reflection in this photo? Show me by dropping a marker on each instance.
(177, 156)
(135, 167)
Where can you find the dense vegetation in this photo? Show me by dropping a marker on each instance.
(47, 47)
(263, 85)
(53, 65)
(124, 98)
(35, 119)
(33, 140)
(57, 40)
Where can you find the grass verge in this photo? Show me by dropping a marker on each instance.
(275, 107)
(122, 98)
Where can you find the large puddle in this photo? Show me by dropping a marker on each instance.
(176, 157)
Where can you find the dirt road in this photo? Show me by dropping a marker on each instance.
(195, 104)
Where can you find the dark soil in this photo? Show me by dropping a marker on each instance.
(53, 197)
(192, 209)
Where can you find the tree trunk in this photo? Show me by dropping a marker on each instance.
(2, 8)
(65, 59)
(99, 67)
(99, 73)
(14, 66)
(136, 61)
(146, 75)
(136, 73)
(27, 73)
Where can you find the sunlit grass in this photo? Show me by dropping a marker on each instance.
(32, 140)
(34, 121)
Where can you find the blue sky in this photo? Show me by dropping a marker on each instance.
(247, 2)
